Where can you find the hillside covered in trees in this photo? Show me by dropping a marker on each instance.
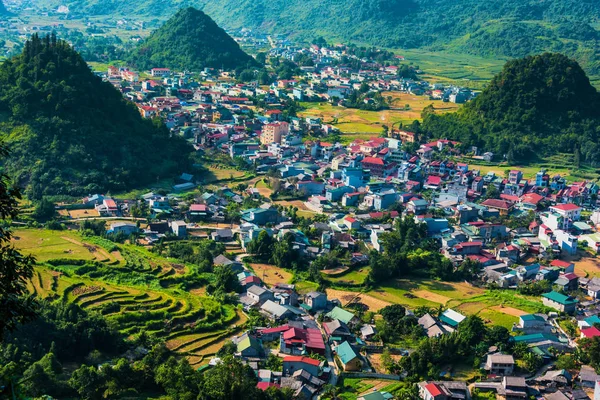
(70, 133)
(512, 28)
(190, 40)
(536, 106)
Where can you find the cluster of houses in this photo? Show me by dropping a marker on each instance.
(304, 330)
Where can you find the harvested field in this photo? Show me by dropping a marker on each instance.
(271, 274)
(509, 310)
(346, 297)
(335, 271)
(587, 266)
(83, 213)
(436, 298)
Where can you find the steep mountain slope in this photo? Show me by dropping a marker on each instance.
(70, 133)
(511, 28)
(537, 106)
(190, 40)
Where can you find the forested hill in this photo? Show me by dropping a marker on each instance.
(536, 106)
(70, 133)
(512, 28)
(190, 40)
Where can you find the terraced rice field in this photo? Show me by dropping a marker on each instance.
(136, 289)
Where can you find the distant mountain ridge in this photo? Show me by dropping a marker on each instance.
(190, 40)
(512, 28)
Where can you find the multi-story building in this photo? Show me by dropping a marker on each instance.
(272, 133)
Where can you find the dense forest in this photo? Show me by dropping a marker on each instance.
(512, 28)
(70, 133)
(536, 106)
(190, 40)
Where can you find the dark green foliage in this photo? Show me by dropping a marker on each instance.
(536, 106)
(72, 134)
(512, 28)
(470, 341)
(190, 40)
(15, 269)
(408, 252)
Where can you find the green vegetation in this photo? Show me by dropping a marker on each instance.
(63, 124)
(537, 106)
(492, 28)
(190, 40)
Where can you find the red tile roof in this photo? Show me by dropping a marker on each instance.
(266, 385)
(560, 263)
(495, 203)
(198, 207)
(372, 160)
(566, 207)
(305, 360)
(276, 329)
(590, 332)
(433, 389)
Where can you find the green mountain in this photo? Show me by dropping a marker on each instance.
(190, 40)
(512, 28)
(70, 133)
(537, 106)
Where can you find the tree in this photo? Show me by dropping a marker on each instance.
(88, 382)
(533, 362)
(491, 192)
(44, 210)
(15, 269)
(179, 379)
(230, 380)
(262, 246)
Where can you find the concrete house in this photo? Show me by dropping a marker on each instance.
(348, 357)
(249, 347)
(179, 228)
(292, 364)
(259, 294)
(315, 301)
(500, 364)
(560, 302)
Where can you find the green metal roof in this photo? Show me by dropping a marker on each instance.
(532, 317)
(536, 337)
(341, 315)
(560, 298)
(345, 352)
(247, 343)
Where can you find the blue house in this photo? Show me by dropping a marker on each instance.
(384, 200)
(436, 225)
(353, 177)
(350, 199)
(336, 194)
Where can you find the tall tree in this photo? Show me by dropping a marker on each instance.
(15, 268)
